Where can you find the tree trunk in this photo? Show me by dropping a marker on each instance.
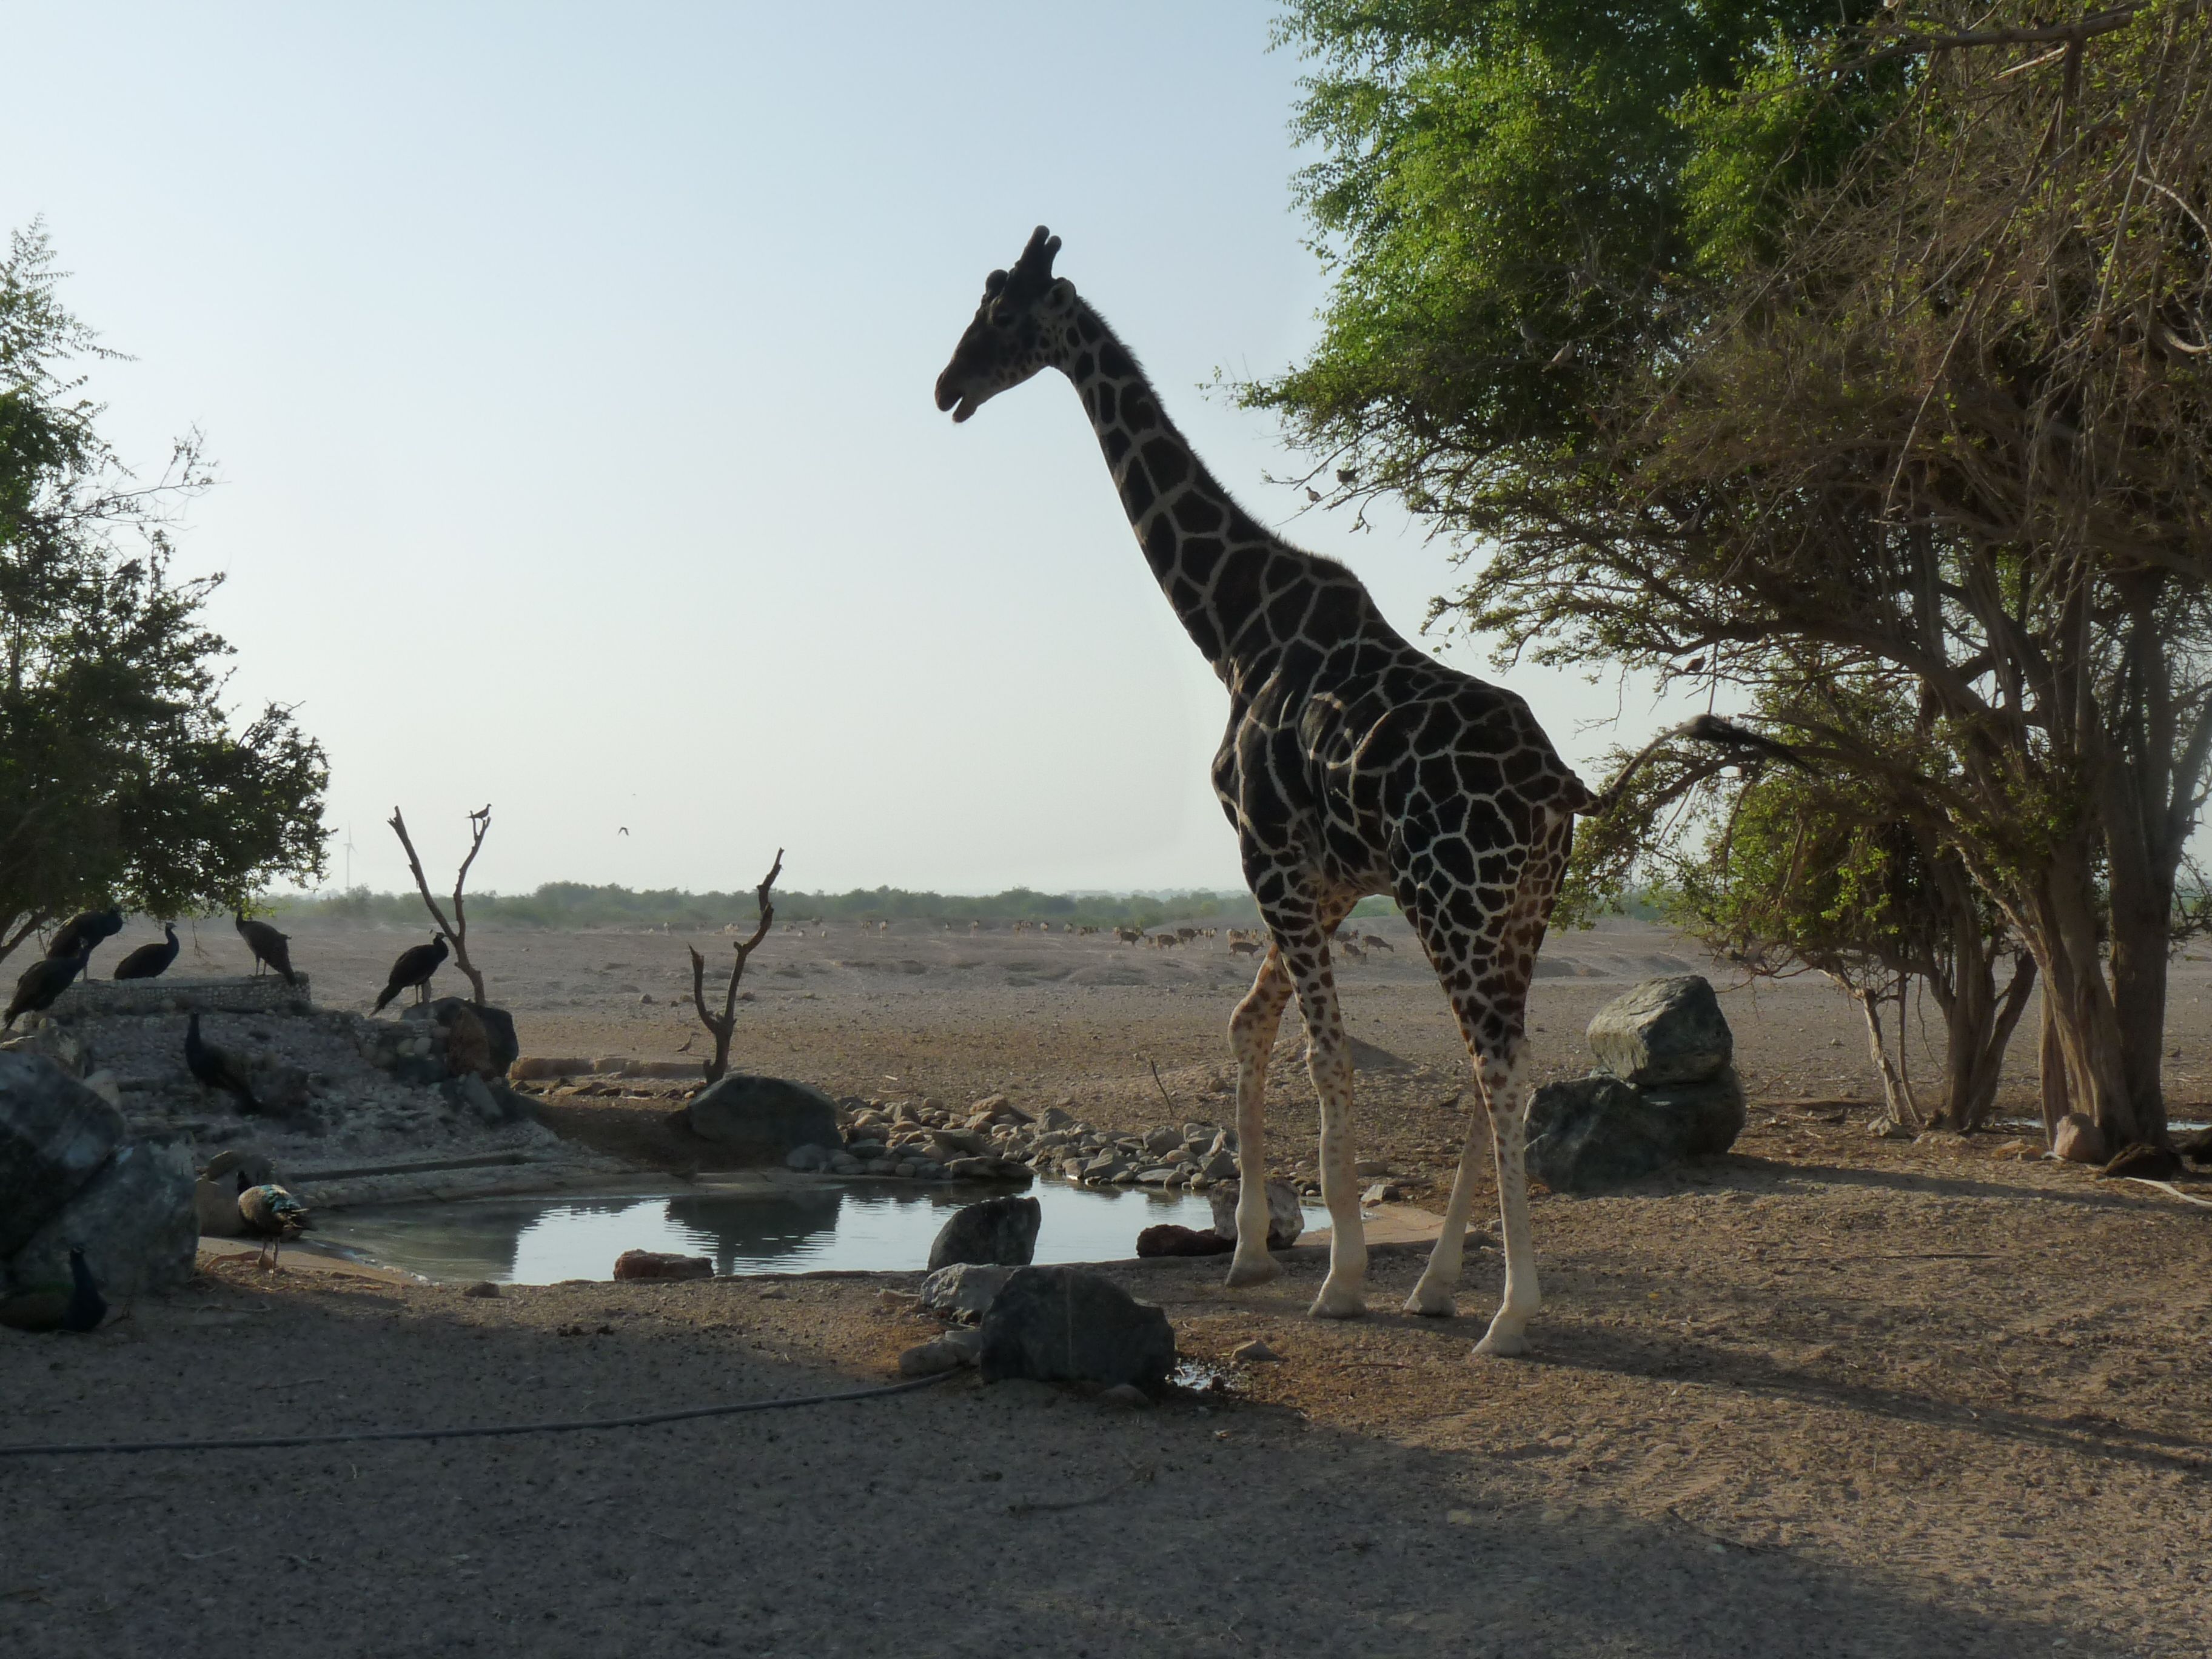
(2050, 1065)
(1896, 1094)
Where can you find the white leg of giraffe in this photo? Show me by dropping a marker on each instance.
(1344, 1293)
(1252, 1031)
(1432, 1294)
(1509, 1122)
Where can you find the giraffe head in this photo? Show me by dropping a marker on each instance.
(1020, 327)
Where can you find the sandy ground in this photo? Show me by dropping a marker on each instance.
(1825, 1396)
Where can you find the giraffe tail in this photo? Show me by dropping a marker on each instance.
(1744, 744)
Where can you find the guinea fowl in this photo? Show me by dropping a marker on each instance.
(270, 948)
(42, 981)
(79, 1308)
(218, 1068)
(83, 931)
(416, 965)
(272, 1215)
(149, 960)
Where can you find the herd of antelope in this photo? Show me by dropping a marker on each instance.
(1348, 946)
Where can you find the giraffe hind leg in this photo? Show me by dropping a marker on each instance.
(1344, 1293)
(1252, 1032)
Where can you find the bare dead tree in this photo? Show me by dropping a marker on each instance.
(720, 1026)
(456, 932)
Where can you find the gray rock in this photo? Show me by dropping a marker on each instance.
(498, 1026)
(55, 1134)
(1597, 1132)
(1286, 1217)
(1054, 1118)
(997, 1231)
(137, 1219)
(1218, 1166)
(769, 1116)
(1126, 1396)
(845, 1163)
(930, 1359)
(1254, 1352)
(1163, 1140)
(965, 1287)
(1663, 1031)
(1159, 1176)
(807, 1158)
(1065, 1324)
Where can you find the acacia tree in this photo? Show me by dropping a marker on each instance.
(123, 777)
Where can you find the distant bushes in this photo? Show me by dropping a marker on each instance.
(573, 904)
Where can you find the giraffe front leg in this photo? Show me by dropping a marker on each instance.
(1251, 1037)
(1509, 1122)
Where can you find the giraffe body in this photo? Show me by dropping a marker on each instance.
(1353, 764)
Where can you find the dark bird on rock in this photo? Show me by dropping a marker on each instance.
(80, 1309)
(218, 1068)
(149, 960)
(272, 1215)
(42, 981)
(270, 948)
(416, 965)
(82, 931)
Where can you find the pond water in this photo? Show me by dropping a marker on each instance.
(871, 1225)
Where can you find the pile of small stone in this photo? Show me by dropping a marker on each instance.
(995, 1140)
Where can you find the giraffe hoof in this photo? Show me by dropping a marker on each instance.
(1502, 1345)
(1338, 1305)
(1253, 1272)
(1431, 1304)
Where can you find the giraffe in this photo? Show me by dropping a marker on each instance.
(1353, 764)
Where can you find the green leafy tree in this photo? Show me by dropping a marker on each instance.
(123, 777)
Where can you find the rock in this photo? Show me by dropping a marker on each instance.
(2142, 1162)
(1370, 1166)
(930, 1359)
(1254, 1352)
(769, 1116)
(998, 1230)
(1597, 1131)
(1158, 1176)
(807, 1158)
(215, 1206)
(541, 1068)
(1663, 1031)
(1126, 1396)
(1286, 1217)
(136, 1218)
(1382, 1192)
(960, 1143)
(1888, 1128)
(965, 1342)
(1218, 1166)
(845, 1163)
(1056, 1119)
(1065, 1324)
(2079, 1140)
(1163, 1140)
(984, 1168)
(1169, 1239)
(498, 1051)
(483, 1289)
(965, 1287)
(55, 1134)
(660, 1264)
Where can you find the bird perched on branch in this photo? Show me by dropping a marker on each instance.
(413, 969)
(149, 960)
(42, 981)
(218, 1068)
(272, 1215)
(269, 947)
(83, 931)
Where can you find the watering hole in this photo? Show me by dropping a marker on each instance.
(871, 1226)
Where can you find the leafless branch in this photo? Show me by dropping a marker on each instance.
(456, 932)
(722, 1025)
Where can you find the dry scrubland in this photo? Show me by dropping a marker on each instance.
(1825, 1396)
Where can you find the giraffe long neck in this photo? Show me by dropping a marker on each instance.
(1218, 568)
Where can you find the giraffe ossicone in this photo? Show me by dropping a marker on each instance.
(1354, 764)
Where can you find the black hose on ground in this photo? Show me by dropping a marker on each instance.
(259, 1442)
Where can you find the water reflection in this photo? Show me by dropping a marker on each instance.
(538, 1240)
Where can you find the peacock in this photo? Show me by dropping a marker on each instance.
(82, 933)
(416, 965)
(149, 960)
(218, 1068)
(269, 946)
(272, 1215)
(45, 980)
(79, 1308)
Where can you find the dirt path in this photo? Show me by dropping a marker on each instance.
(1777, 1408)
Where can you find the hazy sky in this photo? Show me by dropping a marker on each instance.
(569, 369)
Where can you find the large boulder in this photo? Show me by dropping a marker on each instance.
(768, 1115)
(1286, 1212)
(998, 1231)
(136, 1219)
(965, 1287)
(1065, 1324)
(1597, 1131)
(55, 1134)
(1663, 1031)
